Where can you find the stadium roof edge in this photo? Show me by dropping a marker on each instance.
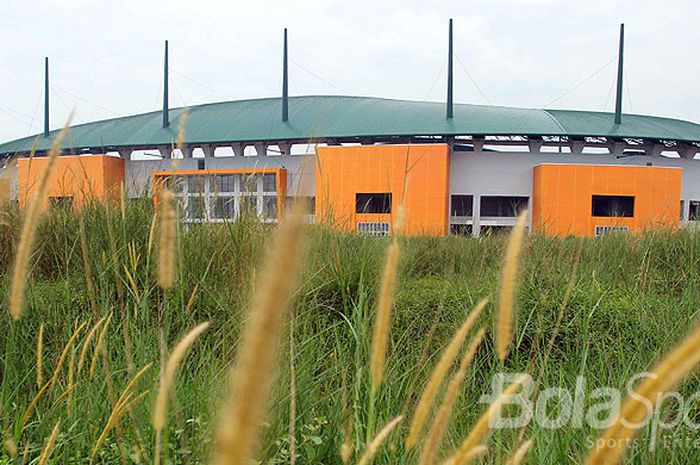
(319, 117)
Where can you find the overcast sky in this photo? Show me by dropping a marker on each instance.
(106, 56)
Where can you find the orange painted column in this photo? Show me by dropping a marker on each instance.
(80, 178)
(416, 176)
(563, 195)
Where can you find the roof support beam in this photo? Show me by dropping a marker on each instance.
(46, 97)
(285, 81)
(166, 109)
(450, 104)
(620, 56)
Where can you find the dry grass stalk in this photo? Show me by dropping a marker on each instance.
(448, 356)
(437, 430)
(381, 436)
(120, 408)
(32, 405)
(39, 357)
(46, 453)
(520, 454)
(167, 379)
(86, 344)
(481, 428)
(251, 376)
(31, 221)
(346, 449)
(168, 376)
(504, 317)
(4, 190)
(180, 140)
(166, 249)
(382, 323)
(11, 447)
(98, 345)
(64, 354)
(669, 373)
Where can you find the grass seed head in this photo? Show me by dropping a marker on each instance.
(251, 376)
(166, 250)
(31, 221)
(504, 317)
(166, 381)
(437, 429)
(441, 369)
(382, 323)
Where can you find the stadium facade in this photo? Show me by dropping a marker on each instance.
(456, 168)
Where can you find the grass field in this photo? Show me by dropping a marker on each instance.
(633, 298)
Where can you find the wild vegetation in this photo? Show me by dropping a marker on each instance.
(345, 348)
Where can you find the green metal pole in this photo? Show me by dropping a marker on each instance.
(285, 81)
(166, 110)
(620, 56)
(46, 97)
(450, 110)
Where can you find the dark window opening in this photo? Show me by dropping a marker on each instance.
(694, 210)
(502, 206)
(63, 203)
(373, 203)
(619, 206)
(462, 205)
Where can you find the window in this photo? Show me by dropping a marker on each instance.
(374, 228)
(694, 210)
(249, 206)
(224, 183)
(249, 183)
(603, 230)
(60, 203)
(269, 183)
(461, 229)
(495, 230)
(373, 203)
(270, 207)
(502, 206)
(613, 206)
(462, 205)
(223, 208)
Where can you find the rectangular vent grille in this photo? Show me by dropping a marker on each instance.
(374, 228)
(603, 230)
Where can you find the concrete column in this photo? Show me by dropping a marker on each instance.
(535, 146)
(124, 153)
(478, 143)
(476, 213)
(237, 149)
(208, 151)
(285, 148)
(186, 151)
(261, 148)
(577, 147)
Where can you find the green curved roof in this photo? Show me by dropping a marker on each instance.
(323, 117)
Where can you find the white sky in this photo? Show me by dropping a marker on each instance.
(106, 56)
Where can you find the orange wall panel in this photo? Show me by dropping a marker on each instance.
(562, 197)
(85, 177)
(416, 175)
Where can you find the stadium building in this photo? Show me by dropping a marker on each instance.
(457, 168)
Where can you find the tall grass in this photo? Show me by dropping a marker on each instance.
(633, 298)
